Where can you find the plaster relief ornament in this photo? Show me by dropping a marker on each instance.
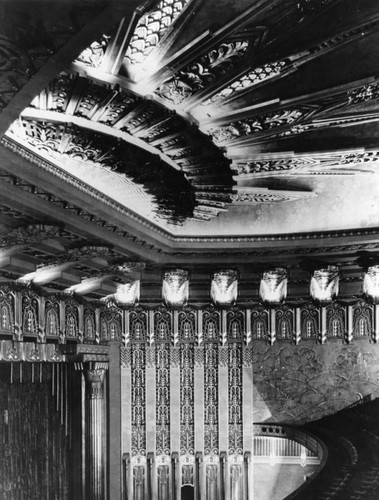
(273, 287)
(325, 284)
(224, 288)
(371, 284)
(175, 288)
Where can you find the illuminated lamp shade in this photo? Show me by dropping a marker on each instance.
(224, 288)
(127, 294)
(371, 284)
(175, 288)
(325, 284)
(273, 287)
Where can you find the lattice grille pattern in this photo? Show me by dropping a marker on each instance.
(211, 439)
(187, 421)
(162, 372)
(235, 399)
(138, 400)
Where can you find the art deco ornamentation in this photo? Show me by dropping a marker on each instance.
(211, 428)
(254, 125)
(110, 324)
(138, 403)
(273, 287)
(71, 319)
(310, 322)
(162, 371)
(187, 321)
(187, 419)
(235, 398)
(202, 72)
(89, 324)
(224, 287)
(259, 323)
(30, 313)
(325, 284)
(255, 76)
(93, 55)
(30, 234)
(149, 32)
(362, 319)
(371, 284)
(7, 305)
(52, 318)
(175, 288)
(284, 323)
(336, 321)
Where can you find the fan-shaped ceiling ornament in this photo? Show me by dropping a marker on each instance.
(199, 122)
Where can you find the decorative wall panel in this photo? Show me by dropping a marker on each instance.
(7, 310)
(110, 324)
(52, 318)
(187, 420)
(211, 438)
(235, 398)
(363, 319)
(284, 318)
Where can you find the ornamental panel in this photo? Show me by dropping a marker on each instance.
(259, 323)
(187, 321)
(162, 321)
(30, 310)
(110, 324)
(138, 399)
(89, 324)
(7, 310)
(211, 325)
(52, 318)
(235, 325)
(162, 373)
(211, 427)
(138, 322)
(363, 319)
(336, 321)
(310, 322)
(187, 417)
(235, 398)
(284, 323)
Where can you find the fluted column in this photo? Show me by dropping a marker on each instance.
(95, 435)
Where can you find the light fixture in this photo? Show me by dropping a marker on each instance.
(273, 287)
(175, 288)
(325, 284)
(224, 287)
(371, 284)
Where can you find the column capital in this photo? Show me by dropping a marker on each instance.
(95, 374)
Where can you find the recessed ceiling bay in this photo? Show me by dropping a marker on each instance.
(239, 131)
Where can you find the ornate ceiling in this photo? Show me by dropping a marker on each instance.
(199, 133)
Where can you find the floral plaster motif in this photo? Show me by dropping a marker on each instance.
(300, 384)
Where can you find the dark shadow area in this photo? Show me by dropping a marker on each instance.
(188, 493)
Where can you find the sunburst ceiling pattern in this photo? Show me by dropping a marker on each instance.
(224, 125)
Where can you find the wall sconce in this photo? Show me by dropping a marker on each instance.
(175, 288)
(273, 287)
(324, 284)
(224, 287)
(371, 284)
(127, 294)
